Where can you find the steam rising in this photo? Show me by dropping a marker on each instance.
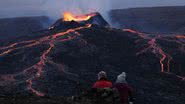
(55, 8)
(77, 7)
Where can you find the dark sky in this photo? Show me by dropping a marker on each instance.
(12, 8)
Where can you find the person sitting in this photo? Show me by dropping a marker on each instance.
(102, 89)
(124, 90)
(102, 81)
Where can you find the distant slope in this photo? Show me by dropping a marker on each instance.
(154, 19)
(15, 27)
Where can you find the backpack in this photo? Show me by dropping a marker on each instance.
(106, 96)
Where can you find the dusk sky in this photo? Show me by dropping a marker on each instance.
(12, 8)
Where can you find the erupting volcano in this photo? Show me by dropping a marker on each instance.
(70, 17)
(74, 48)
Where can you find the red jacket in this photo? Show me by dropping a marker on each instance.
(103, 83)
(125, 92)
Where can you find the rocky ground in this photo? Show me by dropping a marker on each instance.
(33, 100)
(82, 58)
(64, 61)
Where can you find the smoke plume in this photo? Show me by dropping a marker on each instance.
(55, 8)
(78, 7)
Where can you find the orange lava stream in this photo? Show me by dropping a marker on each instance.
(142, 35)
(162, 59)
(165, 58)
(154, 48)
(70, 30)
(30, 83)
(39, 66)
(13, 47)
(180, 36)
(180, 40)
(14, 44)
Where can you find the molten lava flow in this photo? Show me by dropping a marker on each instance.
(154, 48)
(70, 30)
(162, 59)
(180, 36)
(180, 40)
(33, 90)
(70, 17)
(40, 65)
(143, 35)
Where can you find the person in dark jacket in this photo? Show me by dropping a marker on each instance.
(102, 82)
(124, 90)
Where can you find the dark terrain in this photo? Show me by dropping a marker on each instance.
(58, 62)
(11, 28)
(160, 20)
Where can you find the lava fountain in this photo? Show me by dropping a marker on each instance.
(71, 17)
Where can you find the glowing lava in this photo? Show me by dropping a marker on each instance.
(180, 36)
(44, 58)
(154, 47)
(70, 17)
(35, 72)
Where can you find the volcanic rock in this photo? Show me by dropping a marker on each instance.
(66, 60)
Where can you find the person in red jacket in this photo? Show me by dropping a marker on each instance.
(124, 90)
(102, 82)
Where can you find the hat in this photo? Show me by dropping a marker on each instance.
(121, 78)
(102, 74)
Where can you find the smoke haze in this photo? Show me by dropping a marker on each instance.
(77, 7)
(54, 8)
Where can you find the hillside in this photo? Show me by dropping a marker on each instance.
(21, 26)
(165, 20)
(63, 61)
